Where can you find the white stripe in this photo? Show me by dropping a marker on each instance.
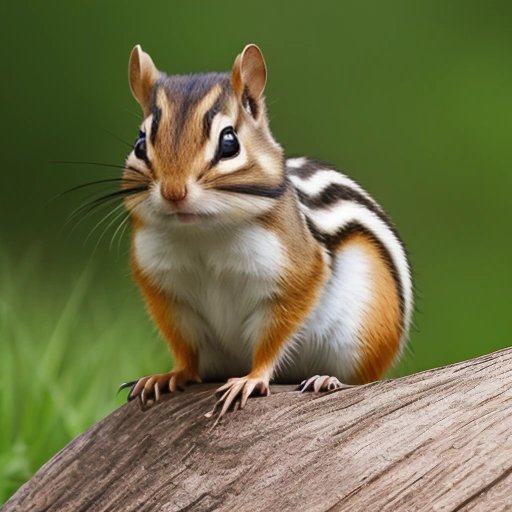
(332, 219)
(295, 163)
(322, 178)
(330, 340)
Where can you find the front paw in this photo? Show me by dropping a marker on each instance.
(235, 393)
(149, 389)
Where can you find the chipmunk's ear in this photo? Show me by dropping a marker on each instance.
(142, 74)
(248, 77)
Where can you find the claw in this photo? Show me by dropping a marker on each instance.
(172, 384)
(235, 393)
(246, 393)
(305, 385)
(230, 399)
(150, 389)
(126, 385)
(319, 383)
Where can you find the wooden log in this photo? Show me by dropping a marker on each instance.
(440, 440)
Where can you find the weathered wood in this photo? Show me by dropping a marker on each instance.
(438, 440)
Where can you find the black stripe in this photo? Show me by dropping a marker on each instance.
(331, 242)
(257, 190)
(249, 103)
(308, 168)
(157, 115)
(184, 92)
(336, 192)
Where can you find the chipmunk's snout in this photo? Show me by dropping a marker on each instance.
(173, 193)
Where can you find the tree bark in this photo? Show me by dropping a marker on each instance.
(439, 440)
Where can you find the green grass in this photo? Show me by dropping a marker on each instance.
(66, 345)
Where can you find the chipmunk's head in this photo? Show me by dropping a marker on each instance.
(204, 148)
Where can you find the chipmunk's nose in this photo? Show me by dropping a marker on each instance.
(173, 193)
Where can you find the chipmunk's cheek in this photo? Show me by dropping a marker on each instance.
(200, 200)
(139, 205)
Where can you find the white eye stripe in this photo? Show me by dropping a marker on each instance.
(147, 125)
(231, 165)
(136, 163)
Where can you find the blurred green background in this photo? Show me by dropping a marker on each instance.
(413, 99)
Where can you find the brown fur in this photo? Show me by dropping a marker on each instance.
(249, 76)
(302, 281)
(381, 331)
(160, 307)
(288, 312)
(142, 74)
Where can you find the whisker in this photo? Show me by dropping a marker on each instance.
(123, 225)
(97, 182)
(102, 220)
(108, 226)
(120, 227)
(136, 115)
(124, 192)
(90, 206)
(79, 209)
(118, 138)
(99, 164)
(131, 168)
(77, 162)
(87, 214)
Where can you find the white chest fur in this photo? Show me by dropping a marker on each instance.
(221, 283)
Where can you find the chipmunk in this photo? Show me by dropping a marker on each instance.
(253, 267)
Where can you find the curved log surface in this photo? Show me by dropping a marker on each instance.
(439, 440)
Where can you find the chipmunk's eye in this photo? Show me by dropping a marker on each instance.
(140, 146)
(228, 143)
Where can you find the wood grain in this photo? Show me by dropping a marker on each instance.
(440, 440)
